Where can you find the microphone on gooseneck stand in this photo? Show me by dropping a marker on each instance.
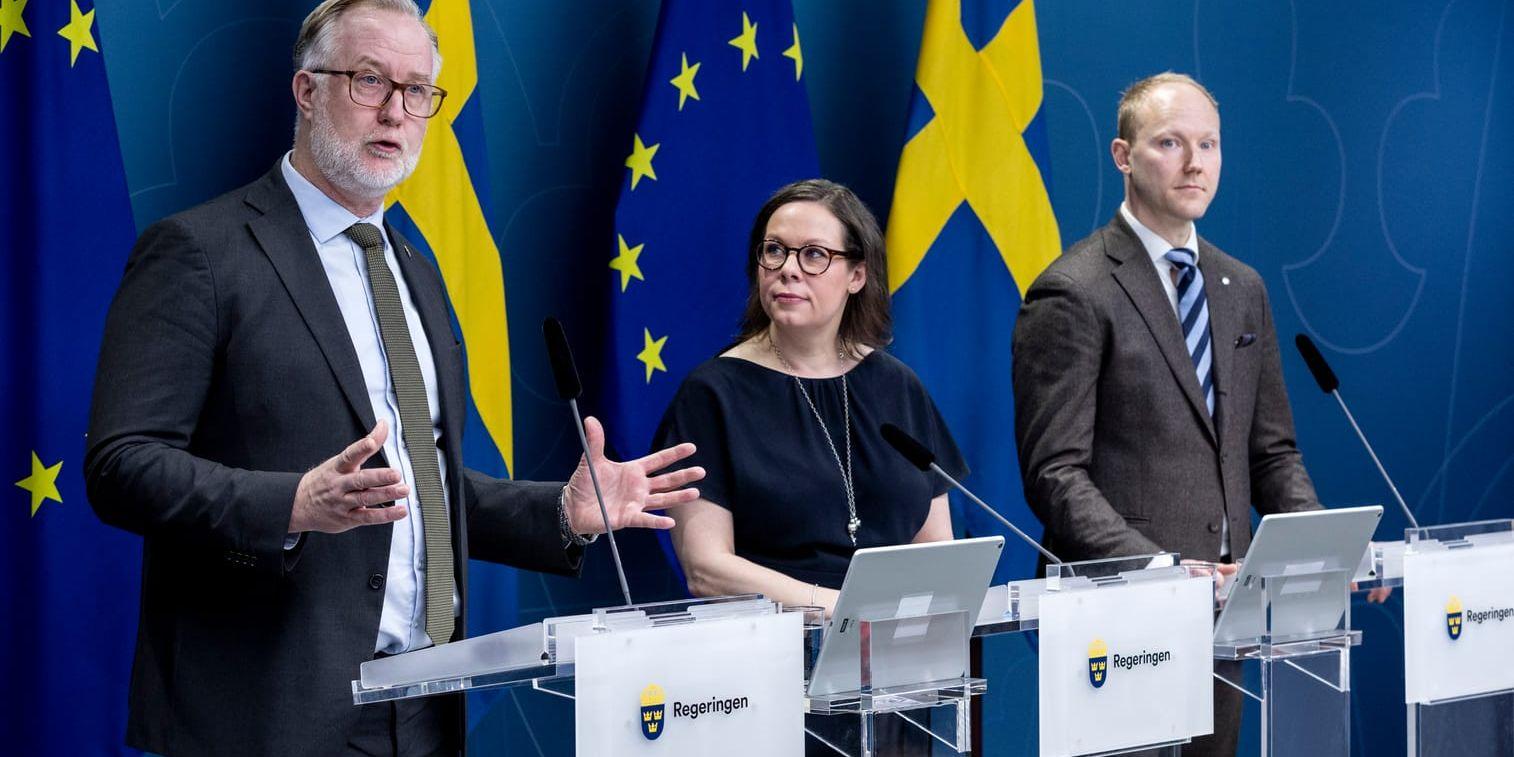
(921, 458)
(568, 388)
(1330, 385)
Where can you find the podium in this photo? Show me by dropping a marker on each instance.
(1458, 583)
(1288, 610)
(728, 675)
(1124, 661)
(927, 701)
(686, 677)
(893, 672)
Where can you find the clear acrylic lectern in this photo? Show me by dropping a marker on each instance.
(1458, 584)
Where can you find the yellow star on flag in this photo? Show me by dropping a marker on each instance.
(77, 32)
(796, 54)
(43, 482)
(684, 81)
(640, 161)
(625, 262)
(11, 21)
(746, 42)
(651, 354)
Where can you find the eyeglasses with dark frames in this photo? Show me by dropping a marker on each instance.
(372, 89)
(813, 258)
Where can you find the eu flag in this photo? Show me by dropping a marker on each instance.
(970, 228)
(724, 122)
(67, 615)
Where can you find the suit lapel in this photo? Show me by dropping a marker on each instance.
(1224, 325)
(1138, 278)
(285, 239)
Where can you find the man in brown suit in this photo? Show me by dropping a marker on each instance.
(1150, 410)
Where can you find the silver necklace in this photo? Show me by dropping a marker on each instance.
(853, 522)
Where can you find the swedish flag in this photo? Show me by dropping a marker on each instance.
(70, 603)
(724, 122)
(971, 227)
(441, 208)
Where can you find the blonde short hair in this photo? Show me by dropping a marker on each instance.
(1135, 97)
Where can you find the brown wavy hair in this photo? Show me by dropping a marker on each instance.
(866, 320)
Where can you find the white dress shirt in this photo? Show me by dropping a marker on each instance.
(1157, 248)
(402, 625)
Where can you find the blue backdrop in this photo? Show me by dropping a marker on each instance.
(1365, 178)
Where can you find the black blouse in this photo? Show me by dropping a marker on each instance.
(767, 462)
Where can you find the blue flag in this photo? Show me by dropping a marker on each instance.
(68, 613)
(971, 228)
(724, 122)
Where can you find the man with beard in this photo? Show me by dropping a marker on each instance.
(1150, 410)
(278, 411)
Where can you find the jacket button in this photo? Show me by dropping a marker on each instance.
(1214, 528)
(376, 581)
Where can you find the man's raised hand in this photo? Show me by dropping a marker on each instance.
(339, 494)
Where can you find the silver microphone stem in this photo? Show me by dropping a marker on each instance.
(620, 570)
(1380, 469)
(995, 513)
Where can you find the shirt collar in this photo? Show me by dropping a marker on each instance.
(325, 217)
(1157, 247)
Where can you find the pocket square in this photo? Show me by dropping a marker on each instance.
(1245, 340)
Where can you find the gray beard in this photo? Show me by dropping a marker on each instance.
(342, 164)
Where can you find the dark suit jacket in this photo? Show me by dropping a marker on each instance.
(226, 372)
(1117, 450)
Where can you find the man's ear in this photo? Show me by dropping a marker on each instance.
(303, 87)
(1119, 149)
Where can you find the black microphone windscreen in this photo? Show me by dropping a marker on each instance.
(1317, 365)
(913, 451)
(561, 357)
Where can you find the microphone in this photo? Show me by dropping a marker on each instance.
(1329, 384)
(920, 457)
(565, 373)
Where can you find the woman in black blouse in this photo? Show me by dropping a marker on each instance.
(786, 420)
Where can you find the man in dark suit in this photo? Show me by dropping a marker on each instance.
(1150, 409)
(278, 367)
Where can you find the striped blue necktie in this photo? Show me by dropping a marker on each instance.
(1193, 314)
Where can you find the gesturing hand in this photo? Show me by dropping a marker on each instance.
(630, 488)
(337, 495)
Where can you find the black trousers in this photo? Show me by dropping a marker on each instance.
(420, 727)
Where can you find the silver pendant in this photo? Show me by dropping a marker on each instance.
(851, 528)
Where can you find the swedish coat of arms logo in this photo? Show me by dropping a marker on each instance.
(1453, 618)
(1098, 663)
(652, 706)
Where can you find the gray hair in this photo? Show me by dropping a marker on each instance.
(313, 46)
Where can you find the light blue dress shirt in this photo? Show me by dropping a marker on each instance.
(402, 626)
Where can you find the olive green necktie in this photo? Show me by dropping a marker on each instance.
(415, 426)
